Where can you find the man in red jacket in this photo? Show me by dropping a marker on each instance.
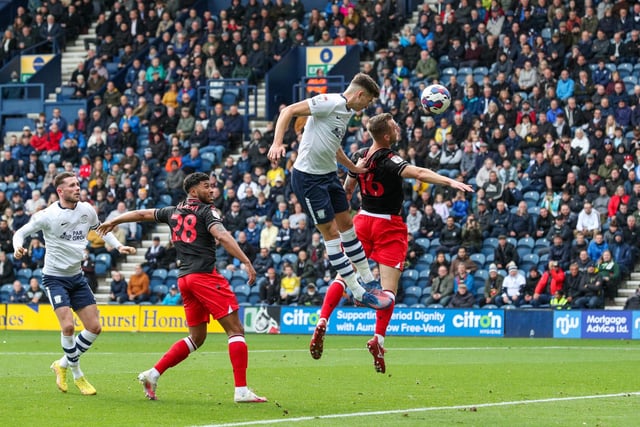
(551, 281)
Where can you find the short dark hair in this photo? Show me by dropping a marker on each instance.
(61, 177)
(194, 179)
(367, 83)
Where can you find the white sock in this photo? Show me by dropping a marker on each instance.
(76, 371)
(380, 339)
(68, 343)
(341, 263)
(241, 390)
(353, 249)
(63, 362)
(153, 374)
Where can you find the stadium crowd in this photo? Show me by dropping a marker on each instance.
(544, 122)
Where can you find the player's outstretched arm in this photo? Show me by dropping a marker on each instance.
(345, 161)
(144, 215)
(230, 245)
(429, 176)
(277, 150)
(18, 237)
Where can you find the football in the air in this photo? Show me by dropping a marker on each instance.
(435, 99)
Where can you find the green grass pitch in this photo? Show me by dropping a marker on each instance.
(434, 382)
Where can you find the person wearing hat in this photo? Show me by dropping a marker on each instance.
(504, 253)
(173, 297)
(462, 298)
(492, 286)
(310, 296)
(511, 285)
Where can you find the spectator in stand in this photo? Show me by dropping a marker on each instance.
(441, 287)
(118, 290)
(551, 281)
(289, 285)
(462, 298)
(138, 287)
(173, 297)
(270, 288)
(590, 295)
(505, 253)
(18, 294)
(35, 293)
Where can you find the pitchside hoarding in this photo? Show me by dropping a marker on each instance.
(405, 322)
(595, 324)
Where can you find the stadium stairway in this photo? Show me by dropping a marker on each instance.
(627, 289)
(73, 54)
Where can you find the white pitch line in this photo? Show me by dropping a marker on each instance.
(426, 409)
(298, 350)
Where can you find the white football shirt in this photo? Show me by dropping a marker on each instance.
(65, 235)
(323, 134)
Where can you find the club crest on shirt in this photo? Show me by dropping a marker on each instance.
(84, 219)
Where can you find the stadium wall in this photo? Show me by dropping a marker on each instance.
(591, 324)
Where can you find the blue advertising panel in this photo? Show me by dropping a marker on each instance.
(635, 326)
(606, 324)
(301, 320)
(528, 323)
(405, 321)
(566, 324)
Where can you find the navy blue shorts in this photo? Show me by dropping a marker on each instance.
(321, 195)
(71, 291)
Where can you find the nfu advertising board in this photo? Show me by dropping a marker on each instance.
(596, 324)
(405, 321)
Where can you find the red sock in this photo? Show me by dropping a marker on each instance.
(383, 317)
(176, 354)
(239, 356)
(332, 298)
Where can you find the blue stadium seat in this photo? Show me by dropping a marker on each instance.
(463, 71)
(528, 242)
(625, 69)
(172, 275)
(160, 274)
(479, 259)
(409, 278)
(481, 274)
(277, 260)
(423, 242)
(290, 258)
(227, 274)
(423, 277)
(490, 242)
(411, 295)
(450, 71)
(242, 274)
(242, 290)
(422, 266)
(237, 281)
(23, 275)
(523, 250)
(164, 201)
(103, 264)
(630, 80)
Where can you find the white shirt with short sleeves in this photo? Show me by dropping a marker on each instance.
(65, 234)
(323, 134)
